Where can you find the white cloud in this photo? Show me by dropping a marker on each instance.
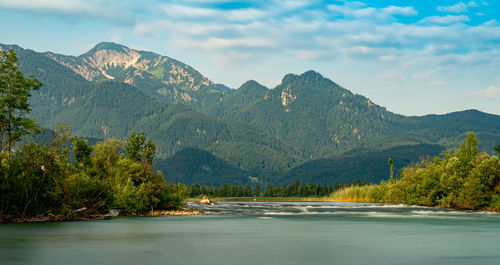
(121, 12)
(490, 92)
(457, 8)
(403, 11)
(492, 22)
(473, 4)
(188, 11)
(429, 78)
(460, 7)
(371, 12)
(445, 20)
(392, 76)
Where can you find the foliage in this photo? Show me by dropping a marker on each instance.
(33, 184)
(461, 178)
(45, 180)
(15, 90)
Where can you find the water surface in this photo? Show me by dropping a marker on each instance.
(265, 233)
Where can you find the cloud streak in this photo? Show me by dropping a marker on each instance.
(489, 93)
(109, 10)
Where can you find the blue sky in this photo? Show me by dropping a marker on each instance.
(412, 57)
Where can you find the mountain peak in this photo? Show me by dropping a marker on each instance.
(252, 85)
(308, 75)
(110, 46)
(311, 74)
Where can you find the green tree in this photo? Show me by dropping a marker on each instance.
(82, 151)
(497, 149)
(391, 165)
(15, 91)
(134, 145)
(140, 150)
(257, 191)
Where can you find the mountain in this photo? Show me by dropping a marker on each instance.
(247, 94)
(159, 76)
(110, 108)
(316, 115)
(308, 127)
(321, 119)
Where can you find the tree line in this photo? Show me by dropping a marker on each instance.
(295, 189)
(67, 178)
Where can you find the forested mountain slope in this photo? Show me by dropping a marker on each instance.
(322, 119)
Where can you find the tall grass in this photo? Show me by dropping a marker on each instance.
(383, 193)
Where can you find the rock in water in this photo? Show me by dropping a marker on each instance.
(205, 201)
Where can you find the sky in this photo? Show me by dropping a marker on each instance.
(413, 57)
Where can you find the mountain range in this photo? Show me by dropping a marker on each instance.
(307, 128)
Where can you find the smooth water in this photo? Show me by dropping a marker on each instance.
(265, 233)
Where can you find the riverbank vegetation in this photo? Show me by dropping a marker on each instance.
(81, 181)
(68, 179)
(459, 178)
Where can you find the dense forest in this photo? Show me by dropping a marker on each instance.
(459, 178)
(67, 178)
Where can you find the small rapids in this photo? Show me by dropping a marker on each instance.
(337, 209)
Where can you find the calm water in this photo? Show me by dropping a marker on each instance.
(265, 233)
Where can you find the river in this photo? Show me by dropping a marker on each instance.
(260, 233)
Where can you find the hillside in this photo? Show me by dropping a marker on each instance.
(361, 164)
(191, 165)
(247, 94)
(322, 119)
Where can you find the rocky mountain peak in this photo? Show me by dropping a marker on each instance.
(109, 54)
(110, 46)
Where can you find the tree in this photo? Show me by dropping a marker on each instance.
(497, 149)
(391, 164)
(257, 191)
(134, 145)
(15, 91)
(140, 150)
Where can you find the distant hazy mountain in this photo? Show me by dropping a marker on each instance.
(306, 128)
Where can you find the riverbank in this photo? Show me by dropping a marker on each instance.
(166, 212)
(55, 218)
